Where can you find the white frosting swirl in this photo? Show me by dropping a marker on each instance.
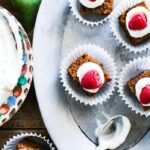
(140, 85)
(130, 14)
(10, 60)
(92, 4)
(86, 67)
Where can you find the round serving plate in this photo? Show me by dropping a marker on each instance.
(71, 124)
(9, 107)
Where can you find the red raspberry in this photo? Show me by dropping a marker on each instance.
(138, 22)
(145, 95)
(91, 80)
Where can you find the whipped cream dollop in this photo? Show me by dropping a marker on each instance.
(85, 68)
(10, 58)
(139, 86)
(92, 3)
(130, 14)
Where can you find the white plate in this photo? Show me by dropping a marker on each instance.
(57, 117)
(52, 102)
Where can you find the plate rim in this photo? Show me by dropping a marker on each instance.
(77, 136)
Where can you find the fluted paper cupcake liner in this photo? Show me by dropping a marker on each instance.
(78, 94)
(131, 70)
(117, 30)
(74, 4)
(12, 142)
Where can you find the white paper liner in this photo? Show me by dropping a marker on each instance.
(74, 4)
(131, 70)
(76, 92)
(119, 33)
(12, 142)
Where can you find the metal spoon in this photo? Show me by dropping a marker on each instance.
(113, 133)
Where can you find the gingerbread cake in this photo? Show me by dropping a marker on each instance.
(105, 9)
(122, 21)
(72, 69)
(131, 83)
(140, 87)
(28, 144)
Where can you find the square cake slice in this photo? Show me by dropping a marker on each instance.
(72, 69)
(28, 144)
(141, 90)
(122, 22)
(131, 83)
(104, 9)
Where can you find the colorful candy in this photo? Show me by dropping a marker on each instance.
(11, 101)
(22, 81)
(24, 69)
(25, 57)
(4, 109)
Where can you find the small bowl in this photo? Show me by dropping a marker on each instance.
(9, 107)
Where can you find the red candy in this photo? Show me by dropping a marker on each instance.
(24, 69)
(4, 109)
(91, 80)
(17, 91)
(145, 95)
(138, 22)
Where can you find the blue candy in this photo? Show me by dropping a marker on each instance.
(25, 58)
(11, 101)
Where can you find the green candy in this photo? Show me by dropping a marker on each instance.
(27, 11)
(21, 35)
(22, 81)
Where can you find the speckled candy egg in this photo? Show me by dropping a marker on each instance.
(4, 109)
(24, 69)
(22, 81)
(17, 91)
